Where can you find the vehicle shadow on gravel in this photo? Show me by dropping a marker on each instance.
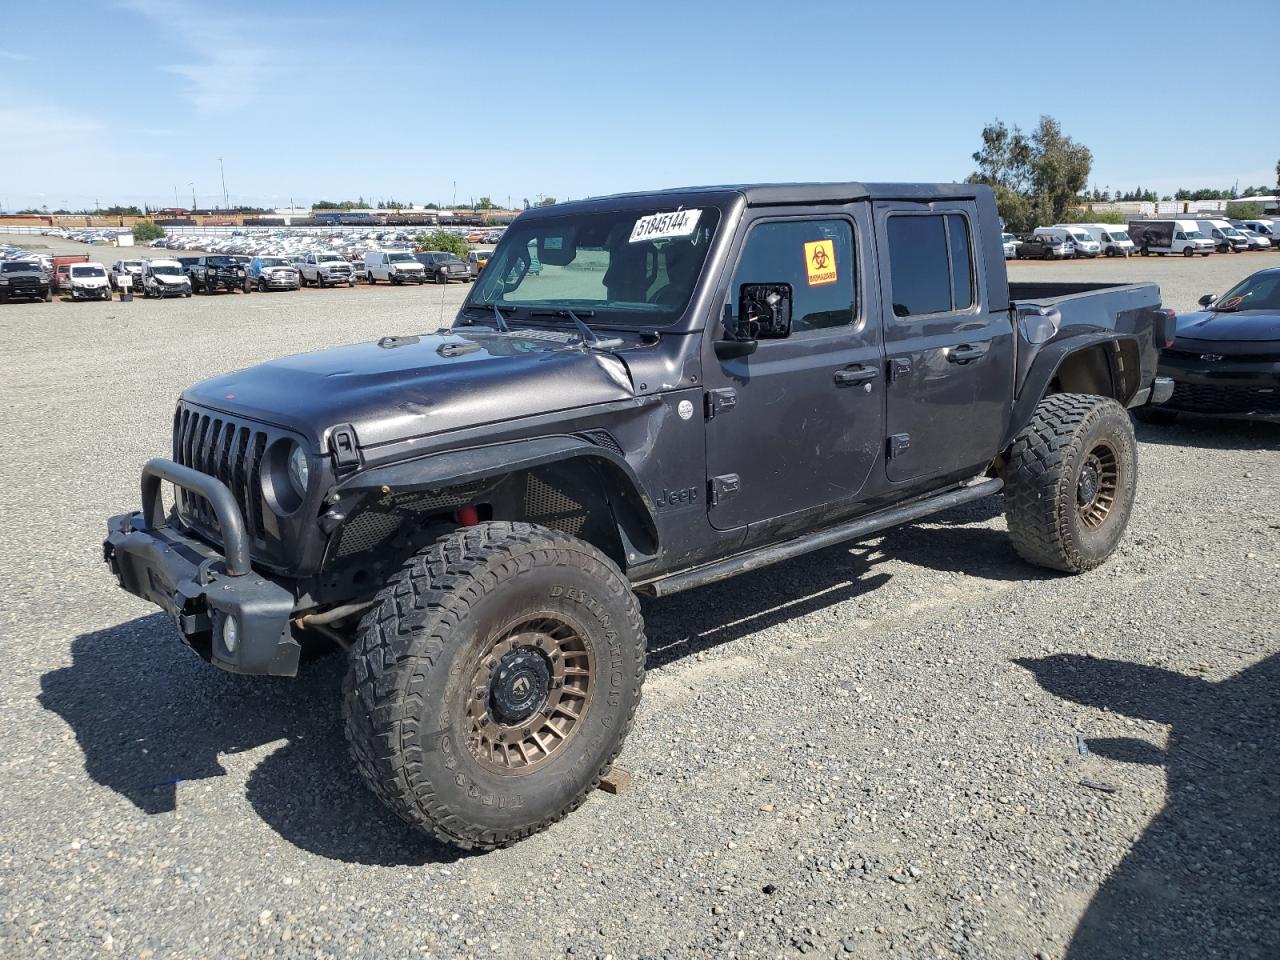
(1204, 878)
(1210, 434)
(149, 714)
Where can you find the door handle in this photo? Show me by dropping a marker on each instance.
(968, 351)
(851, 375)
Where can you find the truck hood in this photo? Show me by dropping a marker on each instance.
(1235, 326)
(398, 388)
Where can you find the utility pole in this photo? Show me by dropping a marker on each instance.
(225, 202)
(455, 193)
(193, 197)
(175, 196)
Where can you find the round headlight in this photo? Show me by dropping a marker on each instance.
(299, 470)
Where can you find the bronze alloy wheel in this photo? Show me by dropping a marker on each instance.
(1097, 485)
(528, 694)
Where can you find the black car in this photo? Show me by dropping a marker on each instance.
(24, 280)
(1225, 359)
(701, 382)
(1042, 247)
(443, 267)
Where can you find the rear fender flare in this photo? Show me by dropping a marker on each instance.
(633, 511)
(1107, 361)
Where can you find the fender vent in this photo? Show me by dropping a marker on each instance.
(550, 507)
(379, 522)
(603, 438)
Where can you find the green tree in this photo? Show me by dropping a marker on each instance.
(144, 231)
(1245, 211)
(484, 203)
(443, 240)
(1036, 178)
(547, 202)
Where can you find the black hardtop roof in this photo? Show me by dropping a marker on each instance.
(769, 194)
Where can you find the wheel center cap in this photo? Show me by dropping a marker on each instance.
(519, 685)
(1087, 488)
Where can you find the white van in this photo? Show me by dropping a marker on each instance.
(1169, 236)
(1112, 237)
(394, 266)
(1266, 228)
(1074, 234)
(1225, 237)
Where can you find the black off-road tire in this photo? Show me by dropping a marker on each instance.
(419, 651)
(1070, 437)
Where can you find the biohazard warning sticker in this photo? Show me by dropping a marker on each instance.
(820, 262)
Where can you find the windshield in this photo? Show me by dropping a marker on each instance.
(1230, 231)
(166, 269)
(1194, 235)
(1081, 238)
(620, 267)
(274, 262)
(130, 264)
(329, 258)
(219, 262)
(88, 272)
(1119, 235)
(1259, 292)
(19, 266)
(401, 258)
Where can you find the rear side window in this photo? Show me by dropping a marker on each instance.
(931, 263)
(815, 257)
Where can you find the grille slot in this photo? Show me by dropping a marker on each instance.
(1224, 399)
(229, 450)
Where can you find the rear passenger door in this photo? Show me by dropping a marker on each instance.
(950, 359)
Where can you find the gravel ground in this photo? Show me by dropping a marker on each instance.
(915, 746)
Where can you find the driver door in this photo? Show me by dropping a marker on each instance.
(799, 423)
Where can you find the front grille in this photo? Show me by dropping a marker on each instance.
(1225, 399)
(230, 450)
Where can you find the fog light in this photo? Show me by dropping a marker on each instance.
(230, 633)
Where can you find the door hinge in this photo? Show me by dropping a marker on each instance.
(720, 489)
(720, 399)
(899, 367)
(899, 444)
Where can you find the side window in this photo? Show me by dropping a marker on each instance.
(816, 257)
(931, 263)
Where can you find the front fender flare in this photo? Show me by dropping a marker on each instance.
(632, 509)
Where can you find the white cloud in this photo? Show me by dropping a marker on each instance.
(15, 55)
(225, 73)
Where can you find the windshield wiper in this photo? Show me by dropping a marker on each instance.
(589, 338)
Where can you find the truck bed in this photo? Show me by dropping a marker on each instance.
(1084, 308)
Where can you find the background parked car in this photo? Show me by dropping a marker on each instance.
(273, 273)
(477, 259)
(1010, 243)
(443, 267)
(131, 267)
(87, 281)
(1225, 358)
(326, 269)
(1256, 240)
(1082, 244)
(394, 267)
(1169, 236)
(1225, 237)
(24, 280)
(1112, 237)
(1044, 247)
(163, 277)
(216, 272)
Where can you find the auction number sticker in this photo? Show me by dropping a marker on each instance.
(660, 226)
(820, 262)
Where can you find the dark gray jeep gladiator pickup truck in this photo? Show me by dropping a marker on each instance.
(690, 384)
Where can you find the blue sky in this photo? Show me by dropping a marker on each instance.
(125, 100)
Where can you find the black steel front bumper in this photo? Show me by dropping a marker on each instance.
(200, 588)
